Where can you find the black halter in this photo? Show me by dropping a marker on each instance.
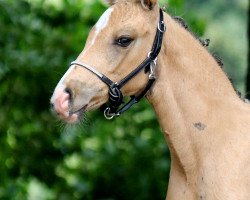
(114, 107)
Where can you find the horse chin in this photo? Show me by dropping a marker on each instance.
(78, 114)
(72, 119)
(94, 105)
(75, 116)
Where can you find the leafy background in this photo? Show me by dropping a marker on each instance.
(127, 158)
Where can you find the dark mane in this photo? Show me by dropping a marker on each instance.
(204, 42)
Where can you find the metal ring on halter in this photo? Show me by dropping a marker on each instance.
(149, 54)
(107, 115)
(164, 27)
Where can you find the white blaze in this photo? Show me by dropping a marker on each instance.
(102, 23)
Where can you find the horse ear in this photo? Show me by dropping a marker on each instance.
(148, 4)
(109, 2)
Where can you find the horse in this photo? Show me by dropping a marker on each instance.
(137, 50)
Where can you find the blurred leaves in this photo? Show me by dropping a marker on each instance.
(41, 158)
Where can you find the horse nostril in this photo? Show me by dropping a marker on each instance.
(69, 91)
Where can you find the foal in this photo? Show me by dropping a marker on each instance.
(206, 125)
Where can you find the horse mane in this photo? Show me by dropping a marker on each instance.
(205, 43)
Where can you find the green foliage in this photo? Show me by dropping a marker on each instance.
(41, 158)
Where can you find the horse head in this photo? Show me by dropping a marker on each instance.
(118, 43)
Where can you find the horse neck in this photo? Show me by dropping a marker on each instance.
(191, 89)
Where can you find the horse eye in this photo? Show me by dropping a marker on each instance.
(123, 41)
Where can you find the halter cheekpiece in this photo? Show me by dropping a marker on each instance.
(115, 106)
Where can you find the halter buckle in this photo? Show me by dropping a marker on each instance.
(151, 75)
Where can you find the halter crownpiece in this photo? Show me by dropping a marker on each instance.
(116, 99)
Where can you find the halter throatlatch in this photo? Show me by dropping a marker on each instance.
(116, 101)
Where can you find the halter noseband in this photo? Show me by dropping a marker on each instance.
(115, 95)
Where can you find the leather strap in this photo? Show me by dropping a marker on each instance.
(94, 71)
